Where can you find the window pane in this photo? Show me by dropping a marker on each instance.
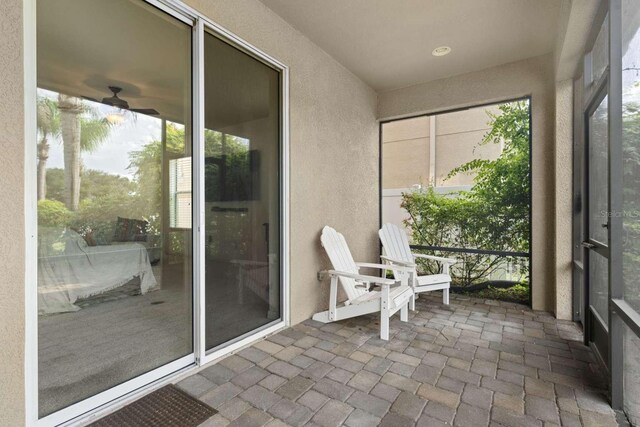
(599, 285)
(180, 192)
(598, 207)
(598, 173)
(631, 149)
(460, 179)
(406, 143)
(600, 52)
(459, 140)
(114, 277)
(242, 193)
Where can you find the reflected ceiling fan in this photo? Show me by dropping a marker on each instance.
(115, 101)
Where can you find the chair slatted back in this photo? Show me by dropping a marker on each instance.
(395, 243)
(337, 249)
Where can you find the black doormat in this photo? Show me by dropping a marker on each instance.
(168, 406)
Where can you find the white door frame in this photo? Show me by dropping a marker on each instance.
(113, 398)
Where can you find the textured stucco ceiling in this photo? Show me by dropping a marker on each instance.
(388, 43)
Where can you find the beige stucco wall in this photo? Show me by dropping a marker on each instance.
(405, 153)
(563, 198)
(11, 216)
(458, 137)
(334, 140)
(532, 77)
(406, 148)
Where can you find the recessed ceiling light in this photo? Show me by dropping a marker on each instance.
(441, 51)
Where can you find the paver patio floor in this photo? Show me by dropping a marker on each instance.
(472, 363)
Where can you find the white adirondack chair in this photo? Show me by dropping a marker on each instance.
(398, 252)
(394, 295)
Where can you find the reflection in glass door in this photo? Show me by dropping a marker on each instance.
(114, 196)
(241, 192)
(630, 130)
(597, 222)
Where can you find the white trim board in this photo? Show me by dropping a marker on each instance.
(31, 213)
(198, 209)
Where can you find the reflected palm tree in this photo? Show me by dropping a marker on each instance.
(48, 127)
(82, 129)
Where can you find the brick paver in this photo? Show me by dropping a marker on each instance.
(472, 363)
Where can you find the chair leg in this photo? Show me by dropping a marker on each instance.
(384, 326)
(385, 313)
(445, 296)
(412, 303)
(404, 313)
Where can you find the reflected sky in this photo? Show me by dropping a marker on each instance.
(112, 156)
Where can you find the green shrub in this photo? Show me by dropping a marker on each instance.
(493, 214)
(52, 213)
(517, 293)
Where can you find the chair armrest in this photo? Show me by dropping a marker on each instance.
(397, 261)
(437, 258)
(385, 267)
(362, 277)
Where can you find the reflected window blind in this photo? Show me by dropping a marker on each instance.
(180, 193)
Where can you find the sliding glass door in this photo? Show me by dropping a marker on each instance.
(241, 191)
(114, 232)
(151, 124)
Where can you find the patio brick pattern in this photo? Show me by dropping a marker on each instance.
(472, 363)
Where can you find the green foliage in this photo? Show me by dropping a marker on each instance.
(48, 118)
(517, 293)
(502, 186)
(55, 184)
(227, 166)
(453, 221)
(631, 196)
(93, 131)
(494, 214)
(103, 197)
(53, 213)
(95, 184)
(147, 166)
(98, 215)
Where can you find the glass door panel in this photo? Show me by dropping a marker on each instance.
(597, 227)
(578, 202)
(599, 285)
(598, 208)
(242, 193)
(631, 203)
(598, 173)
(631, 153)
(114, 195)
